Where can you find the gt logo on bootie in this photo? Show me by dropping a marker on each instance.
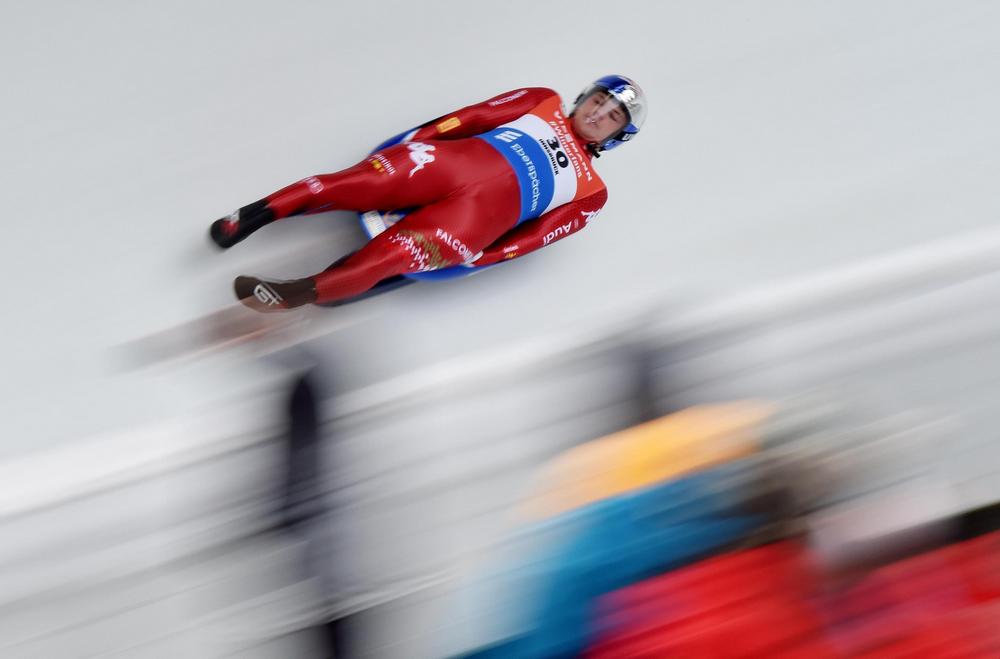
(267, 295)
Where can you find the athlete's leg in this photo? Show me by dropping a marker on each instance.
(446, 233)
(401, 176)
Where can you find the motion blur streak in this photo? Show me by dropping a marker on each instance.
(750, 412)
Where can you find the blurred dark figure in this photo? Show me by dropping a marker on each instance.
(303, 500)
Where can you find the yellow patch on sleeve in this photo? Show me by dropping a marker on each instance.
(448, 124)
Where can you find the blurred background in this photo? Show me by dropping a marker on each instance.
(750, 412)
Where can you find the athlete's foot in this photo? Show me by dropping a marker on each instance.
(227, 231)
(262, 295)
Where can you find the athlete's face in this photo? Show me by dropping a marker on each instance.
(598, 117)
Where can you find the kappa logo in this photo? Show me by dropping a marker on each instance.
(420, 155)
(315, 185)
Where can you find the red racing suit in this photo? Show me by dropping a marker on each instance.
(492, 181)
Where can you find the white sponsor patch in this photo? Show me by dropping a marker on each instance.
(539, 131)
(556, 233)
(315, 185)
(509, 98)
(455, 244)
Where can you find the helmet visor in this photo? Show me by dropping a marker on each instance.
(599, 116)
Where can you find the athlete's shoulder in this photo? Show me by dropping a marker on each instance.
(589, 185)
(599, 196)
(522, 94)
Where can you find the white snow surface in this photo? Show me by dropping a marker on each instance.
(783, 138)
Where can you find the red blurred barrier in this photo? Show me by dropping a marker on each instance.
(967, 634)
(980, 565)
(770, 602)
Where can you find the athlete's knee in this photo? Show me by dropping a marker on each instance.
(358, 273)
(381, 260)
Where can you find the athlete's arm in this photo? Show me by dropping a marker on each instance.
(481, 117)
(534, 234)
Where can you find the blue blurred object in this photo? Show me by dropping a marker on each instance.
(620, 541)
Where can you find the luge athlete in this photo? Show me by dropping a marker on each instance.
(490, 182)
